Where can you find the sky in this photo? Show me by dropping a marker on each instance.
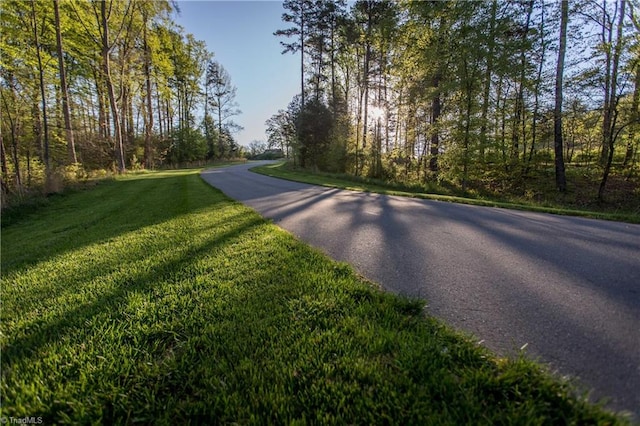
(240, 34)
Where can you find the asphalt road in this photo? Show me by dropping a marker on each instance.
(567, 288)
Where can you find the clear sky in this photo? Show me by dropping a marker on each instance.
(240, 34)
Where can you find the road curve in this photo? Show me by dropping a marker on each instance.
(565, 288)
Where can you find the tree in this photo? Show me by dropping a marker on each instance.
(223, 94)
(281, 131)
(314, 124)
(432, 64)
(299, 15)
(256, 148)
(43, 97)
(187, 145)
(561, 181)
(611, 109)
(64, 92)
(151, 59)
(107, 44)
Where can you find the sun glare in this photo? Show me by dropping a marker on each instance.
(376, 112)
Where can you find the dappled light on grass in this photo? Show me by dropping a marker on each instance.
(166, 302)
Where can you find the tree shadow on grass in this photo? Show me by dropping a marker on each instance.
(73, 297)
(81, 219)
(55, 329)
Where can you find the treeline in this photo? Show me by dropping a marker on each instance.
(105, 85)
(477, 94)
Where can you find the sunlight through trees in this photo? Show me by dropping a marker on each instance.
(463, 92)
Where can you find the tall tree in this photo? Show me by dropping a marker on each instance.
(4, 170)
(611, 132)
(71, 146)
(43, 96)
(223, 95)
(561, 180)
(103, 16)
(148, 122)
(606, 41)
(518, 124)
(486, 80)
(298, 15)
(281, 131)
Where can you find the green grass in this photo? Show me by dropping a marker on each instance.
(342, 181)
(155, 299)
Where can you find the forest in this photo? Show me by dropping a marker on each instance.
(103, 87)
(490, 97)
(494, 97)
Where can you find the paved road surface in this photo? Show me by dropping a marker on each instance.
(567, 288)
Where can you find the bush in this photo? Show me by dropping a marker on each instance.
(187, 145)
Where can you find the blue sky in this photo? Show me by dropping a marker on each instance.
(240, 34)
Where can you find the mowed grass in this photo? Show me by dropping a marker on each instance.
(155, 299)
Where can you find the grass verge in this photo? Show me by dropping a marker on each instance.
(155, 299)
(280, 170)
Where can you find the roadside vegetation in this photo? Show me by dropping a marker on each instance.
(489, 100)
(541, 199)
(152, 298)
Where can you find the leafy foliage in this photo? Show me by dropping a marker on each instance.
(314, 124)
(187, 145)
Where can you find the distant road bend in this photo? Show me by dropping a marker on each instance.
(568, 288)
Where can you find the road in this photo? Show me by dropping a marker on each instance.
(566, 289)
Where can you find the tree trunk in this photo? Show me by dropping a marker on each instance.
(561, 181)
(71, 146)
(148, 124)
(131, 128)
(332, 59)
(4, 175)
(435, 119)
(36, 115)
(635, 115)
(168, 118)
(302, 35)
(613, 102)
(360, 94)
(221, 147)
(487, 81)
(367, 59)
(159, 109)
(14, 134)
(106, 64)
(606, 39)
(467, 123)
(536, 95)
(45, 125)
(103, 120)
(519, 112)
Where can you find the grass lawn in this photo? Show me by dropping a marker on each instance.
(284, 171)
(154, 299)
